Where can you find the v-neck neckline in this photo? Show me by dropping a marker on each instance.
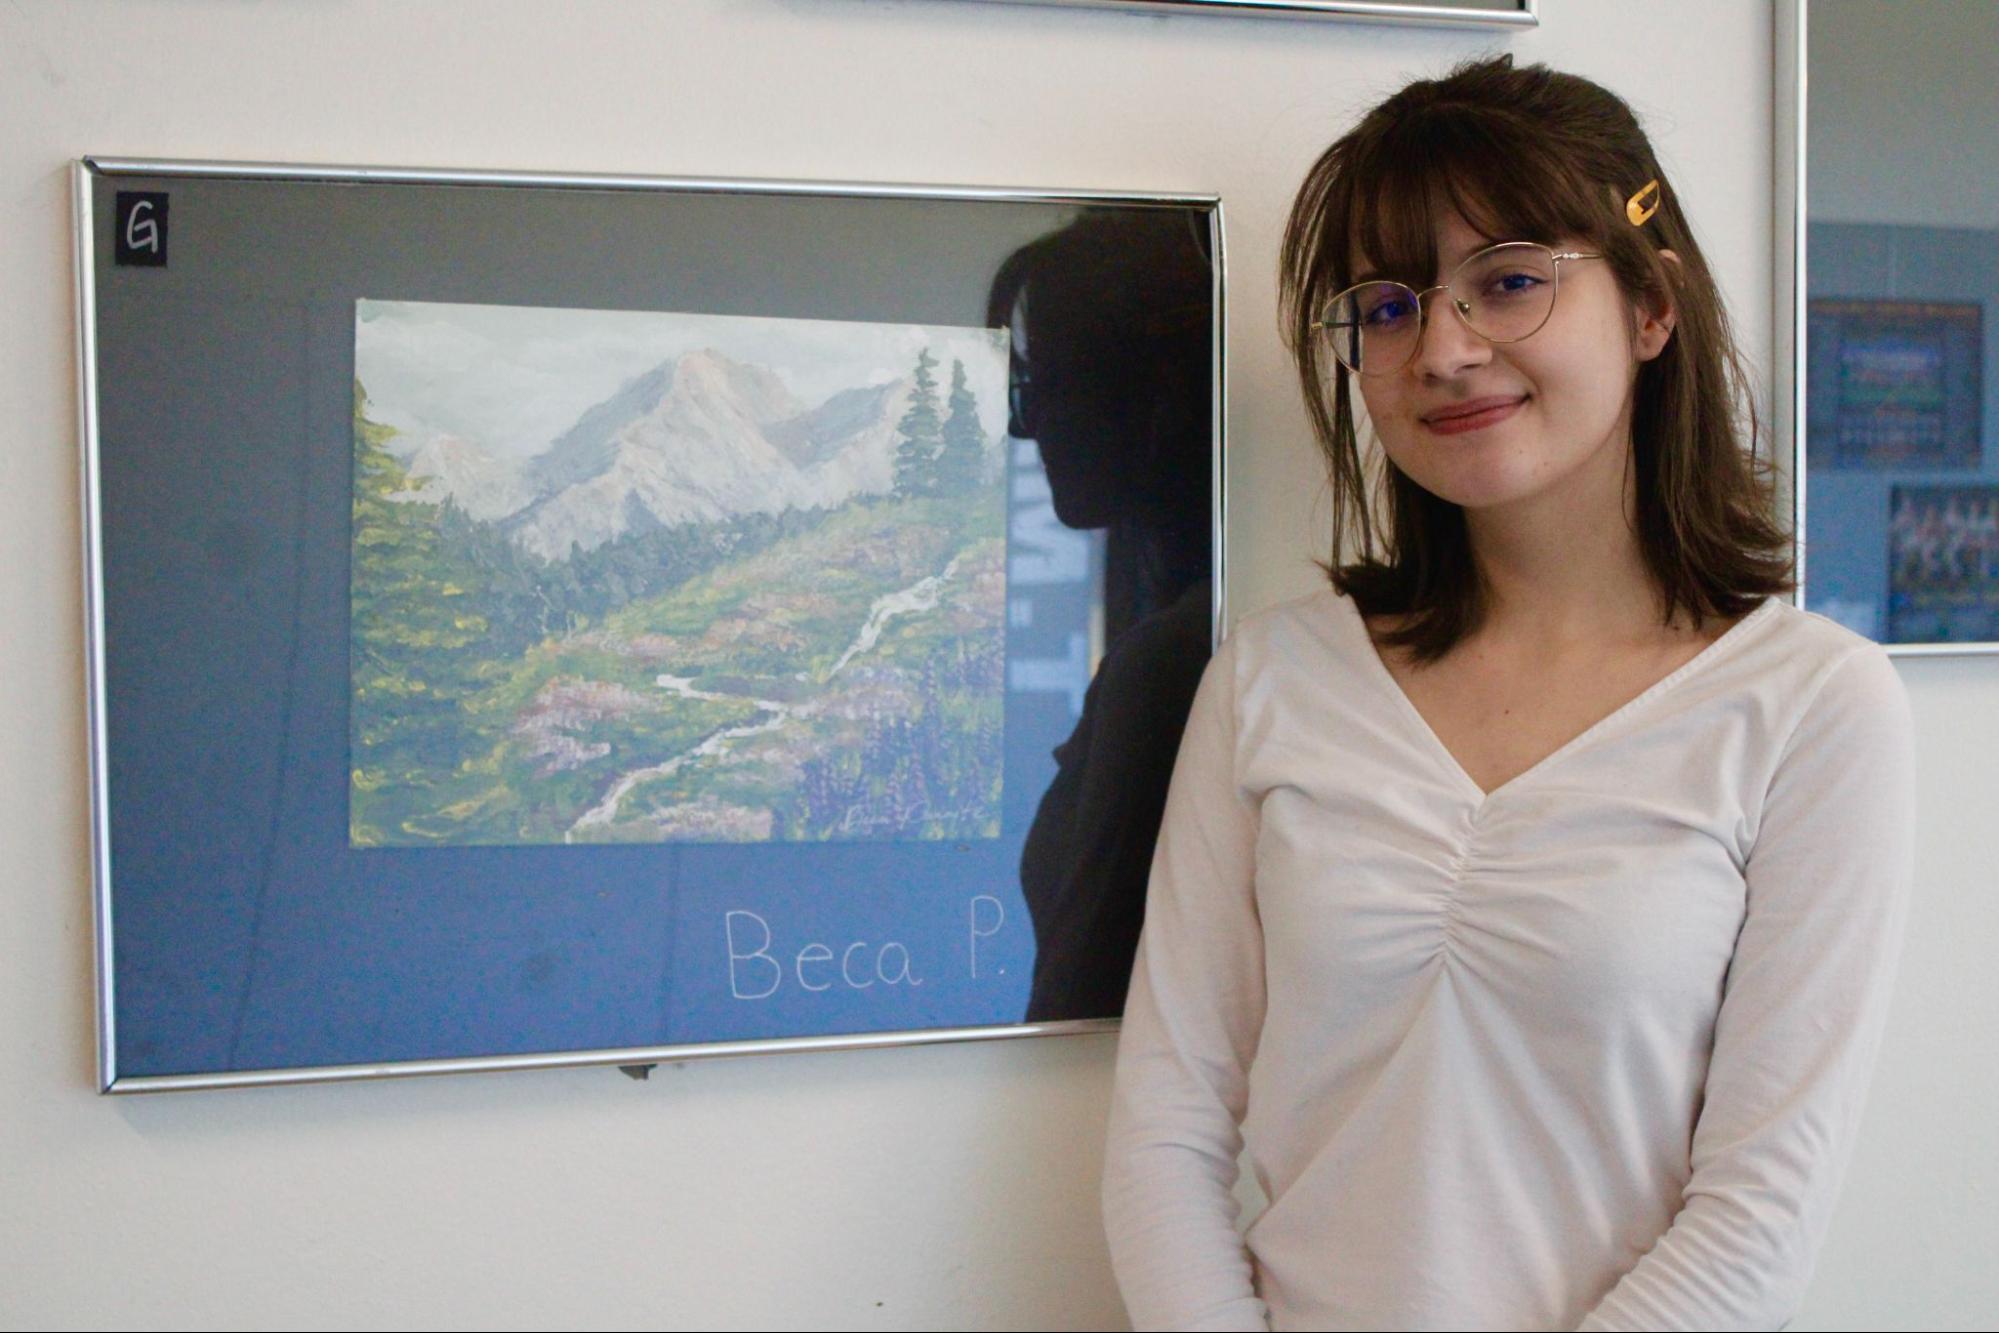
(1480, 797)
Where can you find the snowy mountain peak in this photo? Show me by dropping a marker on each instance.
(702, 439)
(446, 467)
(754, 391)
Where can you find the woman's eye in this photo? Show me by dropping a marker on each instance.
(1513, 284)
(1387, 312)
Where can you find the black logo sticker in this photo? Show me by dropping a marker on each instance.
(141, 222)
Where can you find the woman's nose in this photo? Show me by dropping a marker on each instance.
(1448, 347)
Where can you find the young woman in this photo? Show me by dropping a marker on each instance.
(1528, 900)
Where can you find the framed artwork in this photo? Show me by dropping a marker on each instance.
(1944, 564)
(1447, 13)
(1895, 384)
(543, 619)
(661, 549)
(1882, 338)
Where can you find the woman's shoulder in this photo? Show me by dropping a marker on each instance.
(1295, 659)
(1810, 673)
(1805, 647)
(1836, 708)
(1298, 629)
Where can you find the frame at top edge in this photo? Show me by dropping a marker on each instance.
(1524, 14)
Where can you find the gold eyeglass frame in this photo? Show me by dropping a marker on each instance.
(1459, 306)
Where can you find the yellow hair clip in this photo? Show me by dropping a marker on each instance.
(1641, 206)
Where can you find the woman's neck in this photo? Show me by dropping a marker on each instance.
(1563, 568)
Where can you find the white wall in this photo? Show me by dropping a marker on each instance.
(950, 1186)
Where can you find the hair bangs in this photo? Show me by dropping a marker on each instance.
(1486, 168)
(1393, 224)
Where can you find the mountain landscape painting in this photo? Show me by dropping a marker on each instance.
(627, 576)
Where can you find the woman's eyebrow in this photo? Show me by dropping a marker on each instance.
(1464, 253)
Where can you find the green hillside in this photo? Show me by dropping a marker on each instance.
(493, 703)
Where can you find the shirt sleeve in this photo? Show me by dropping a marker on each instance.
(1803, 1006)
(1191, 1022)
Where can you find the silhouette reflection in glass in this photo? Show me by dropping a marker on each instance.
(1112, 376)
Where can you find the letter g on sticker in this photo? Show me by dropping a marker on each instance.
(140, 238)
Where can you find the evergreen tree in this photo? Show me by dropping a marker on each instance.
(963, 455)
(922, 432)
(415, 612)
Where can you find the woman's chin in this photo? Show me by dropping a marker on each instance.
(1474, 487)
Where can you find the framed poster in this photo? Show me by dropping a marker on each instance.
(1944, 564)
(1882, 335)
(556, 620)
(1895, 384)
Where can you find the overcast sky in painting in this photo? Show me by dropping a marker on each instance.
(511, 379)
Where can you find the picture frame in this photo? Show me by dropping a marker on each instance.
(1438, 13)
(1882, 342)
(540, 619)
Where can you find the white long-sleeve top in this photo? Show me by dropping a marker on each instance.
(1587, 1051)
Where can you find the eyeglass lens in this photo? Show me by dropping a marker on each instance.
(1503, 294)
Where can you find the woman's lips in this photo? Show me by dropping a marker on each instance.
(1475, 415)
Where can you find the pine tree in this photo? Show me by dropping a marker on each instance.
(416, 630)
(963, 455)
(921, 429)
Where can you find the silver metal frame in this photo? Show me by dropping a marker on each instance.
(1367, 11)
(1788, 266)
(1791, 32)
(82, 171)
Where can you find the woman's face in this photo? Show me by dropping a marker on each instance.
(1485, 425)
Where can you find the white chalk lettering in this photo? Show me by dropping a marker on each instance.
(999, 919)
(757, 962)
(813, 953)
(846, 961)
(901, 976)
(762, 951)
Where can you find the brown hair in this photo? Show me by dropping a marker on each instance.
(1528, 154)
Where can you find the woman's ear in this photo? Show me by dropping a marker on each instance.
(1657, 316)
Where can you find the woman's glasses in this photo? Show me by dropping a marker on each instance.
(1503, 293)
